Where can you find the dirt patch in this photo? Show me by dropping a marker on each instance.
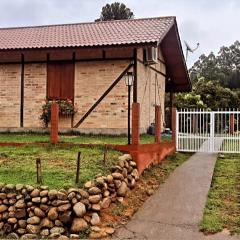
(146, 186)
(59, 163)
(2, 160)
(120, 213)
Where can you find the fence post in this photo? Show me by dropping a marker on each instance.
(54, 122)
(78, 168)
(212, 129)
(39, 170)
(174, 115)
(231, 123)
(135, 123)
(157, 124)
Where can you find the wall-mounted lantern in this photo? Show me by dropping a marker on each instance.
(129, 78)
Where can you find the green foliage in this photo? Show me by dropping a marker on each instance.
(223, 68)
(115, 11)
(66, 107)
(190, 100)
(216, 96)
(208, 95)
(45, 116)
(118, 209)
(216, 81)
(85, 233)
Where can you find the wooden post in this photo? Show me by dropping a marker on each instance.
(104, 155)
(158, 124)
(78, 167)
(135, 72)
(39, 170)
(172, 104)
(231, 123)
(135, 123)
(174, 113)
(22, 91)
(54, 122)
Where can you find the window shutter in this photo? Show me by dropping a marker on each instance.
(67, 81)
(53, 80)
(60, 80)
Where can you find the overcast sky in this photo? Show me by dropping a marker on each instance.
(212, 23)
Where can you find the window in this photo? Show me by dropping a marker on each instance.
(60, 80)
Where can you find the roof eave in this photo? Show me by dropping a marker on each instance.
(173, 54)
(133, 45)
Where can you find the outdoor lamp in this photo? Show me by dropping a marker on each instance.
(129, 77)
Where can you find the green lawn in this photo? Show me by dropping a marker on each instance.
(81, 139)
(222, 210)
(18, 164)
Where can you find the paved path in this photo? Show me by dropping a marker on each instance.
(175, 210)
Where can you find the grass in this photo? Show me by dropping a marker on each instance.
(161, 171)
(118, 209)
(77, 139)
(222, 210)
(18, 164)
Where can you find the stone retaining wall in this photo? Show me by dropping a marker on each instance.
(27, 212)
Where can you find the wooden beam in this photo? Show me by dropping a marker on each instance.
(131, 45)
(22, 91)
(70, 60)
(172, 104)
(74, 67)
(135, 76)
(103, 54)
(103, 95)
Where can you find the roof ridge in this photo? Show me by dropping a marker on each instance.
(83, 23)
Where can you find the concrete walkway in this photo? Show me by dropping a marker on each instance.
(176, 209)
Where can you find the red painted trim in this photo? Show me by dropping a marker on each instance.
(135, 123)
(54, 122)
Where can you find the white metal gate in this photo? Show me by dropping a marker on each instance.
(205, 131)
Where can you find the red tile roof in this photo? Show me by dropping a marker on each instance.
(148, 30)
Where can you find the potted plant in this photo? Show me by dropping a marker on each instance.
(66, 108)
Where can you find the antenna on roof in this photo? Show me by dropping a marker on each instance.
(190, 49)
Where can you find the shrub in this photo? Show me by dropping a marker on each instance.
(66, 108)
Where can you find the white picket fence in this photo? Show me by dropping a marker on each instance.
(208, 131)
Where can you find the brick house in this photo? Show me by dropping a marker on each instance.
(80, 62)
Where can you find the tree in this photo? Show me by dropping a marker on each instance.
(208, 95)
(115, 11)
(216, 83)
(189, 101)
(216, 96)
(223, 68)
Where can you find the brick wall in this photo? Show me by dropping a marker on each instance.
(34, 93)
(10, 76)
(91, 80)
(151, 91)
